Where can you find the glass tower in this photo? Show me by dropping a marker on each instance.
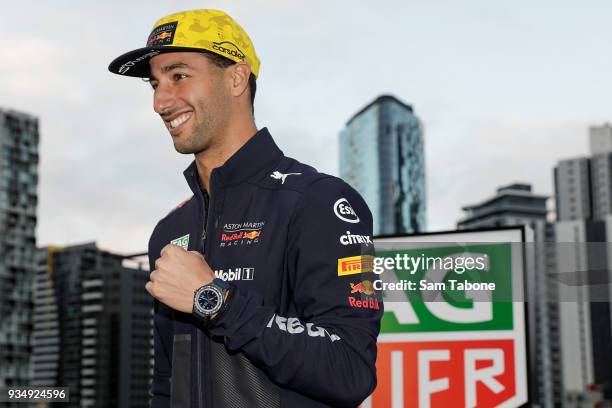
(382, 157)
(18, 201)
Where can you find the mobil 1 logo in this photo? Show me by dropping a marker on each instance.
(235, 274)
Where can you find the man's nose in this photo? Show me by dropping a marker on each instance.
(163, 99)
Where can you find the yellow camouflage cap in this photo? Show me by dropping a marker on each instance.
(192, 30)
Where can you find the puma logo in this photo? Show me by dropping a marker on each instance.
(280, 176)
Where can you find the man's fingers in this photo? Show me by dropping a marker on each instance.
(198, 254)
(170, 247)
(164, 249)
(152, 276)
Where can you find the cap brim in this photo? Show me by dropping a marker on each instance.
(136, 63)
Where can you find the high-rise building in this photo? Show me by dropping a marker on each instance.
(600, 139)
(573, 189)
(586, 360)
(601, 185)
(101, 346)
(382, 157)
(44, 361)
(583, 185)
(516, 204)
(601, 170)
(583, 189)
(19, 140)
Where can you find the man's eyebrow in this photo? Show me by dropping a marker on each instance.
(169, 68)
(176, 65)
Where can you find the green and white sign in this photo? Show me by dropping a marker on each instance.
(453, 332)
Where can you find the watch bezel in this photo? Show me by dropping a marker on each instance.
(199, 309)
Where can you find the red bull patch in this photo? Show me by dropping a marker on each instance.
(252, 234)
(243, 233)
(368, 303)
(366, 287)
(163, 34)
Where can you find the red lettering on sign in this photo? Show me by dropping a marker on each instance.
(444, 374)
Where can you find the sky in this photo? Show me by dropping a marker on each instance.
(504, 90)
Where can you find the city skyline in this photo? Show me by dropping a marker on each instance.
(503, 92)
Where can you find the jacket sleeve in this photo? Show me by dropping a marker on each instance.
(162, 345)
(327, 351)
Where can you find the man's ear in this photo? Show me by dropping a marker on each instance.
(240, 73)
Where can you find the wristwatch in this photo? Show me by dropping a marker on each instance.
(210, 299)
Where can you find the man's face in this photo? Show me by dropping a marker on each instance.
(191, 98)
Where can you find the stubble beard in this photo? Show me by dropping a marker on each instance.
(206, 131)
(194, 143)
(200, 137)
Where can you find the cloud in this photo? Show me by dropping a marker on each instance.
(492, 152)
(495, 107)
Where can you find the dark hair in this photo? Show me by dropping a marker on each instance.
(223, 62)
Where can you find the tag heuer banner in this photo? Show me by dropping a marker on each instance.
(453, 332)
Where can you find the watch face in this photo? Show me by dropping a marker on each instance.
(209, 300)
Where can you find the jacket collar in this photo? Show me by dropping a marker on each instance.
(258, 153)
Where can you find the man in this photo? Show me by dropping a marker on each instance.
(262, 292)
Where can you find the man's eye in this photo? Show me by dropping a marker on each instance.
(179, 76)
(151, 82)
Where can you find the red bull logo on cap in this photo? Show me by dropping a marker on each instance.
(163, 34)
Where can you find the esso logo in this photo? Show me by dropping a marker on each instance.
(345, 212)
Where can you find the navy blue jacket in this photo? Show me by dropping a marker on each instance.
(301, 326)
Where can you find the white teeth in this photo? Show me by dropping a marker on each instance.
(176, 122)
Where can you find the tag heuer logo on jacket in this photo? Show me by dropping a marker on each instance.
(182, 241)
(289, 245)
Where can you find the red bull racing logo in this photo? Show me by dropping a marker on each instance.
(367, 303)
(240, 235)
(366, 287)
(244, 233)
(363, 302)
(163, 34)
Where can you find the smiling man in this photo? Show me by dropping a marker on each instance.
(253, 276)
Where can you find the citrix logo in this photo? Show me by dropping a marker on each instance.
(348, 239)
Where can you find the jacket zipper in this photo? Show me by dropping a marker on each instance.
(205, 227)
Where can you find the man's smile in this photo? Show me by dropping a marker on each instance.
(176, 125)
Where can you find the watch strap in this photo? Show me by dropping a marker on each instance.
(227, 298)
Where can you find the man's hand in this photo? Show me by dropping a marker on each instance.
(178, 273)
